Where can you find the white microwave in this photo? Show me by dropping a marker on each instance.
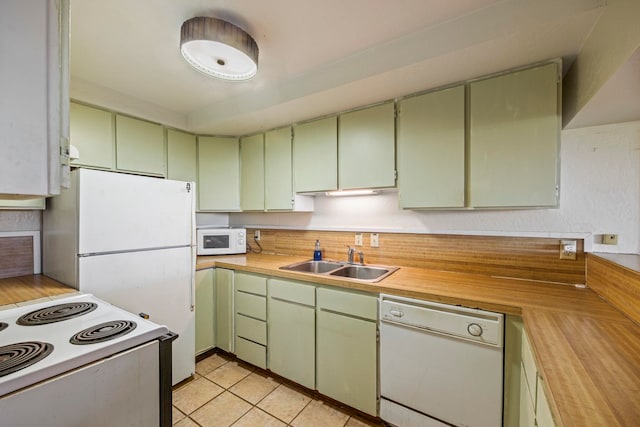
(221, 241)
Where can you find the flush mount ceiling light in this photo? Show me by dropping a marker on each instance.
(218, 48)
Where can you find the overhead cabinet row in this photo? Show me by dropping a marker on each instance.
(490, 143)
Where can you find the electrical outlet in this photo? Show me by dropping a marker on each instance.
(568, 249)
(256, 235)
(609, 239)
(374, 242)
(358, 239)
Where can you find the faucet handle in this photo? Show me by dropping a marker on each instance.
(361, 256)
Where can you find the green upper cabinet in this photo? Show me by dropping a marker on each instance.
(431, 141)
(278, 179)
(252, 173)
(92, 134)
(366, 148)
(139, 146)
(26, 204)
(218, 174)
(181, 156)
(514, 135)
(315, 155)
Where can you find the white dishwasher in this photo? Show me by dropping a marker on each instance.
(440, 365)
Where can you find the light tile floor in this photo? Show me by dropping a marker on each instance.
(228, 393)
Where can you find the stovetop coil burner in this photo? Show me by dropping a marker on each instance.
(3, 326)
(103, 332)
(14, 357)
(56, 313)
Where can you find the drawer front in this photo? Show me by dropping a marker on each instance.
(359, 305)
(292, 291)
(251, 329)
(251, 352)
(251, 305)
(251, 283)
(529, 366)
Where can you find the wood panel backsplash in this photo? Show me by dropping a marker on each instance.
(519, 257)
(16, 256)
(618, 285)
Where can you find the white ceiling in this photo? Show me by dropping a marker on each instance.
(316, 57)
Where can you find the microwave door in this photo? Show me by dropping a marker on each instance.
(216, 241)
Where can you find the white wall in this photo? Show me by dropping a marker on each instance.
(20, 220)
(600, 193)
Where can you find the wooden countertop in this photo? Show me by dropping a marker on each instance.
(24, 288)
(588, 352)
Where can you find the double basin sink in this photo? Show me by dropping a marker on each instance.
(365, 273)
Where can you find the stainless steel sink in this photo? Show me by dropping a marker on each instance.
(362, 272)
(316, 267)
(365, 273)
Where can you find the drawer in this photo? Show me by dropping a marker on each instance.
(529, 365)
(292, 291)
(349, 303)
(251, 305)
(251, 283)
(251, 329)
(251, 352)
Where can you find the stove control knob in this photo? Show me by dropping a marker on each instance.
(474, 329)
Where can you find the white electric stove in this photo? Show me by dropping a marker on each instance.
(80, 351)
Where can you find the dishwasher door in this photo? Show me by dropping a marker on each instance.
(440, 365)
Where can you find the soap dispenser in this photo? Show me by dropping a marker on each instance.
(317, 253)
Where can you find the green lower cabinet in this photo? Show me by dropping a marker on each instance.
(224, 309)
(347, 348)
(292, 331)
(205, 310)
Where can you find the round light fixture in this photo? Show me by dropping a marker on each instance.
(218, 48)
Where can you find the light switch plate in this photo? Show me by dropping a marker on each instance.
(358, 241)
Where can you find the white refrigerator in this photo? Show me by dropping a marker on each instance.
(128, 240)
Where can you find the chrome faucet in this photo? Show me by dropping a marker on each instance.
(361, 257)
(350, 252)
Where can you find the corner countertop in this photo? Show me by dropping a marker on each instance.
(588, 352)
(15, 290)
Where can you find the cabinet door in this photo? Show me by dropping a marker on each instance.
(218, 174)
(346, 358)
(224, 309)
(527, 410)
(278, 181)
(315, 156)
(291, 312)
(139, 146)
(92, 134)
(181, 156)
(514, 139)
(543, 412)
(35, 100)
(252, 173)
(366, 148)
(205, 311)
(431, 150)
